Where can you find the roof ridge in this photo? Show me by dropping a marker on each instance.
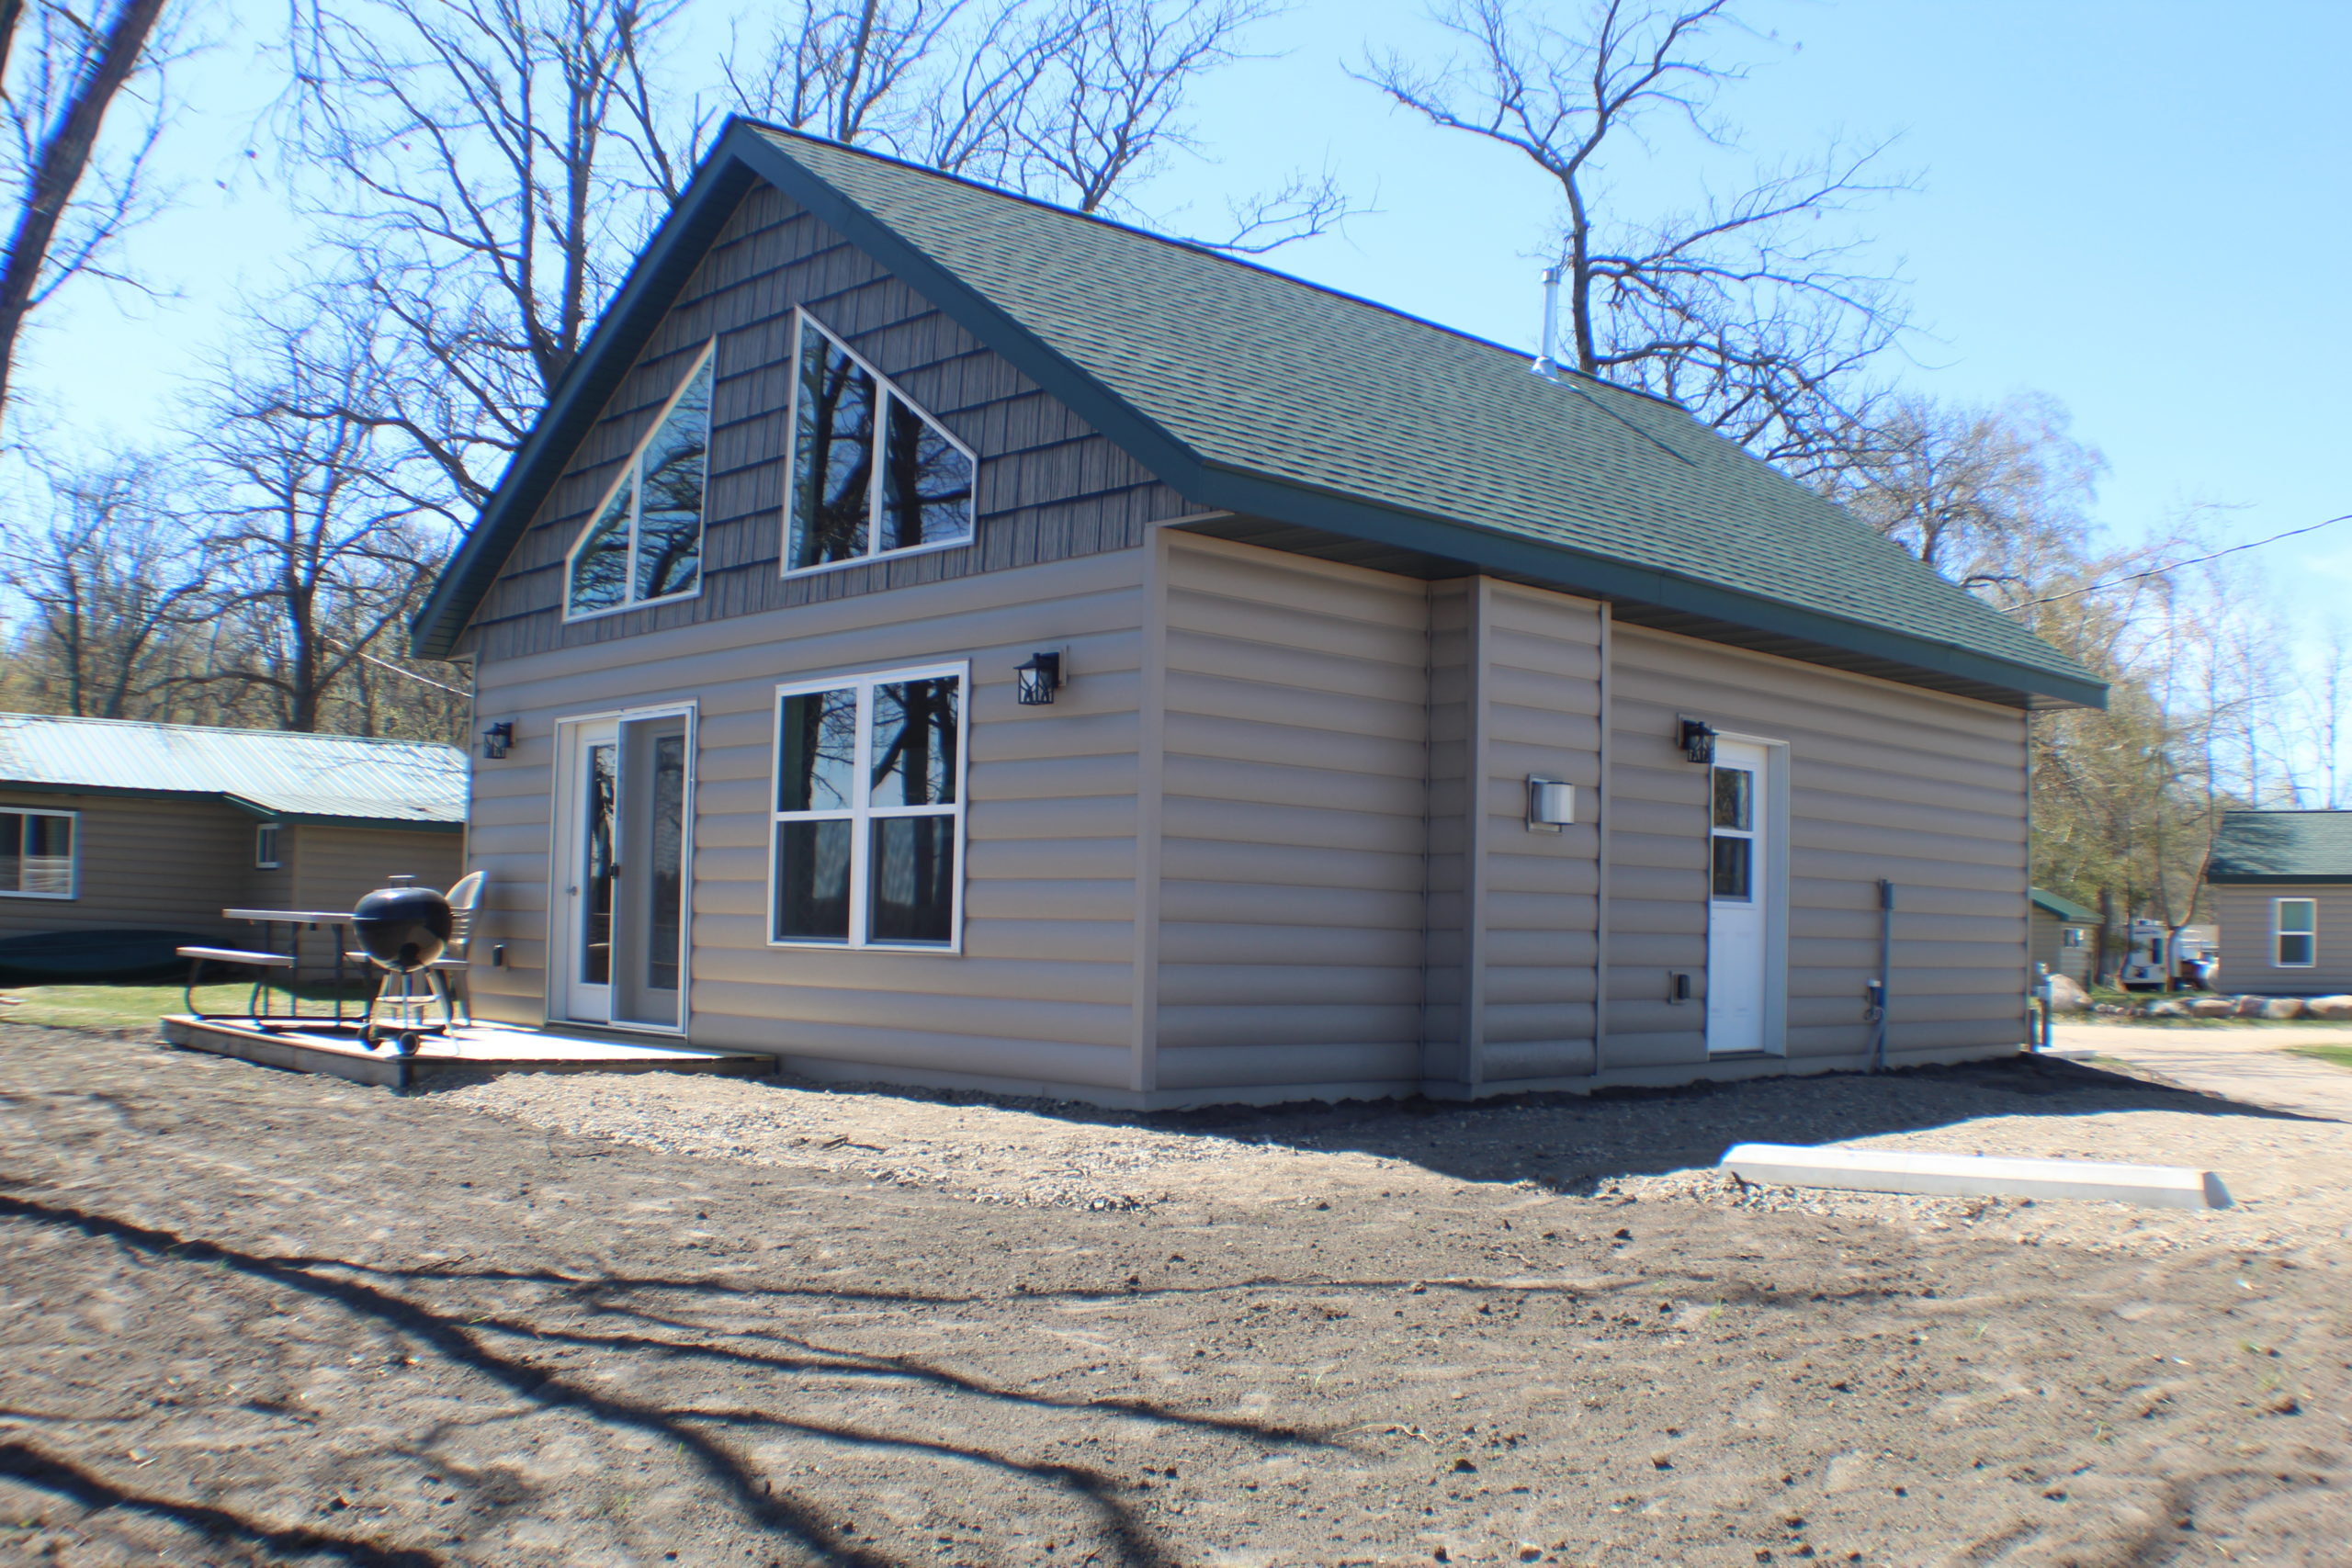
(1211, 251)
(225, 730)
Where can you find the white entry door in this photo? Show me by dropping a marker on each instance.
(1738, 911)
(622, 876)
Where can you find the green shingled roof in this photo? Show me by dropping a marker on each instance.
(2282, 846)
(2065, 908)
(1250, 391)
(1256, 371)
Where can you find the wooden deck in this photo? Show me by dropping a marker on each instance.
(475, 1047)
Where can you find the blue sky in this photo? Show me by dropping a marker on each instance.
(2137, 206)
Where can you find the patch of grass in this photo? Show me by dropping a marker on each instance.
(139, 1006)
(2341, 1056)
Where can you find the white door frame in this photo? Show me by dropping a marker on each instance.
(564, 827)
(1772, 885)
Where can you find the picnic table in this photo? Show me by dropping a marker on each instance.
(266, 956)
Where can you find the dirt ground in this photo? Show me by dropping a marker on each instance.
(255, 1317)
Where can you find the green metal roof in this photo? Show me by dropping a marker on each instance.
(2282, 846)
(275, 775)
(2065, 908)
(1248, 390)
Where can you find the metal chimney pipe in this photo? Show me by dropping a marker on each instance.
(1547, 363)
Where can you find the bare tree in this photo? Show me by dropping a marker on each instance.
(1073, 101)
(486, 167)
(1993, 498)
(110, 584)
(321, 555)
(61, 70)
(1749, 309)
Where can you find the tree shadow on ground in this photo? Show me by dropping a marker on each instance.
(506, 1347)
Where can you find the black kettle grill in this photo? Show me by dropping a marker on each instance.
(401, 931)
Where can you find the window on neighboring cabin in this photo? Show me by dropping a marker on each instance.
(869, 810)
(37, 854)
(2295, 927)
(2073, 936)
(645, 544)
(265, 847)
(872, 473)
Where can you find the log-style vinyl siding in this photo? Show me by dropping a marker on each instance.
(335, 867)
(2242, 911)
(1043, 994)
(1050, 487)
(144, 864)
(1925, 790)
(1292, 825)
(1541, 696)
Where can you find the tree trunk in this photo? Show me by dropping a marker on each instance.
(58, 169)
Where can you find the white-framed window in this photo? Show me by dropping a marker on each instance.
(872, 474)
(37, 852)
(866, 848)
(643, 544)
(2294, 929)
(2073, 936)
(265, 847)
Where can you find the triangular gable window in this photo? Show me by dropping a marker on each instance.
(646, 542)
(872, 473)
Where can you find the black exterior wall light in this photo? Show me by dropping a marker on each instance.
(1041, 677)
(1697, 739)
(497, 739)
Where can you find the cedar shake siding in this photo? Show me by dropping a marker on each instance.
(1050, 487)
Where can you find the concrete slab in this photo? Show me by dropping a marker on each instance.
(473, 1047)
(1893, 1170)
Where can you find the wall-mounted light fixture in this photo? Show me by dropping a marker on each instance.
(1697, 740)
(1551, 805)
(497, 739)
(1041, 677)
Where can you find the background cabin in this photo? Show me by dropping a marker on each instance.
(2281, 893)
(2064, 940)
(111, 824)
(934, 637)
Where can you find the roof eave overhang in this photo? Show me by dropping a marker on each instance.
(255, 809)
(2278, 879)
(743, 153)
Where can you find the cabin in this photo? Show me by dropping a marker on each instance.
(116, 825)
(934, 637)
(2280, 885)
(2064, 940)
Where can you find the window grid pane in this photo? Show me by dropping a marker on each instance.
(869, 856)
(832, 455)
(674, 476)
(12, 852)
(647, 542)
(926, 486)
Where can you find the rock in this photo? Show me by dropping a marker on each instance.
(2249, 1007)
(2213, 1007)
(2328, 1007)
(2065, 996)
(2283, 1007)
(2167, 1010)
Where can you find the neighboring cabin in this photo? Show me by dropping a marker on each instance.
(2064, 939)
(2281, 887)
(948, 639)
(112, 824)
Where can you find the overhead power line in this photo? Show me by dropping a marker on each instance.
(2175, 566)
